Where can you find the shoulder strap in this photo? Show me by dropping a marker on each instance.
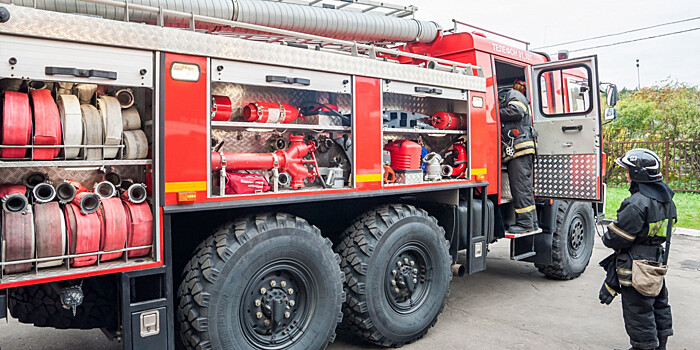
(669, 229)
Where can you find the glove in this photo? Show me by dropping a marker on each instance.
(605, 295)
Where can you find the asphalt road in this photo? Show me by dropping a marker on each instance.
(508, 306)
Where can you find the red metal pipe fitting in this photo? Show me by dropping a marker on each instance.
(290, 160)
(221, 108)
(458, 153)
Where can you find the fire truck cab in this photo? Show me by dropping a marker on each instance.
(208, 180)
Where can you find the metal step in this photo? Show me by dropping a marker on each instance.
(523, 256)
(524, 234)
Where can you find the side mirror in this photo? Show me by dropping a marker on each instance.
(610, 113)
(611, 96)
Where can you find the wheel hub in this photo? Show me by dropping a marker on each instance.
(576, 236)
(409, 274)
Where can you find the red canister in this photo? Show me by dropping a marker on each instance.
(405, 154)
(221, 108)
(449, 121)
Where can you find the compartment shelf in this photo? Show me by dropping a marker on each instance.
(270, 126)
(73, 163)
(423, 131)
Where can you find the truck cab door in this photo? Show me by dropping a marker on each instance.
(567, 119)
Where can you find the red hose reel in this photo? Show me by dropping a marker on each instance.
(16, 124)
(139, 228)
(114, 227)
(47, 124)
(84, 232)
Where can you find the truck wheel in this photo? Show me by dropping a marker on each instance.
(397, 274)
(41, 306)
(572, 241)
(267, 282)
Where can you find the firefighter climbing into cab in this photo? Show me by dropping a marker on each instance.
(518, 138)
(637, 268)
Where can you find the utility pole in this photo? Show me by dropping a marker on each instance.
(638, 82)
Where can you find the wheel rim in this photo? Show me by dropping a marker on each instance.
(577, 235)
(409, 277)
(278, 303)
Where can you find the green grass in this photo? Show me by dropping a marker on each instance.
(688, 205)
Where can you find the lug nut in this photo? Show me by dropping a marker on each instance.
(415, 280)
(283, 284)
(257, 302)
(413, 262)
(393, 283)
(393, 272)
(396, 290)
(398, 263)
(415, 270)
(263, 290)
(273, 283)
(266, 322)
(405, 260)
(259, 315)
(287, 314)
(290, 291)
(291, 303)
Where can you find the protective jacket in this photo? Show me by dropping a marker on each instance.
(638, 233)
(516, 122)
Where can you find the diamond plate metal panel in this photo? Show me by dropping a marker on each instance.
(242, 95)
(53, 25)
(422, 105)
(506, 196)
(566, 176)
(56, 175)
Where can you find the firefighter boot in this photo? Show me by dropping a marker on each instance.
(662, 343)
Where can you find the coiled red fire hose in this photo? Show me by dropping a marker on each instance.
(140, 227)
(18, 236)
(114, 227)
(84, 233)
(16, 124)
(50, 228)
(47, 124)
(13, 197)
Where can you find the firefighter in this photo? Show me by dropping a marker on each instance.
(518, 138)
(638, 234)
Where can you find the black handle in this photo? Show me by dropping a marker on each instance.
(81, 73)
(571, 128)
(287, 80)
(427, 90)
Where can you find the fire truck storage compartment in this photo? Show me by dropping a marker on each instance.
(288, 130)
(76, 145)
(435, 118)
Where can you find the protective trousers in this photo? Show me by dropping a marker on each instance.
(647, 319)
(520, 177)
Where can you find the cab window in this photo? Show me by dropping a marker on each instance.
(565, 92)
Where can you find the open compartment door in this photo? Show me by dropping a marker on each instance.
(566, 109)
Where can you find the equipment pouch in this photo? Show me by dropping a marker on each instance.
(648, 277)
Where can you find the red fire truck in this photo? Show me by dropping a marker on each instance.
(251, 174)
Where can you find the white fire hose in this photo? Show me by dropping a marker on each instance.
(72, 121)
(111, 113)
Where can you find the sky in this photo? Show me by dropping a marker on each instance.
(547, 22)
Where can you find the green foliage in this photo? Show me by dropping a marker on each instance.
(688, 205)
(670, 110)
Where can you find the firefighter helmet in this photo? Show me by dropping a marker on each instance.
(520, 85)
(642, 164)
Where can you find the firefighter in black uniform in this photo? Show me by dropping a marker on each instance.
(638, 234)
(518, 138)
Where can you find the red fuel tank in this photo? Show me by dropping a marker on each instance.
(405, 154)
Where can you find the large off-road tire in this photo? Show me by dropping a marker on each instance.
(572, 241)
(41, 306)
(384, 250)
(269, 260)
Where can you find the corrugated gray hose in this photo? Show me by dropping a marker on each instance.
(339, 24)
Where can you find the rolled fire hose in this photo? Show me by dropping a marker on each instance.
(136, 193)
(114, 227)
(140, 228)
(131, 120)
(18, 236)
(221, 108)
(92, 132)
(51, 239)
(270, 112)
(135, 144)
(105, 189)
(35, 178)
(111, 113)
(16, 124)
(64, 88)
(47, 124)
(85, 92)
(87, 201)
(84, 232)
(125, 98)
(43, 193)
(68, 189)
(13, 197)
(72, 121)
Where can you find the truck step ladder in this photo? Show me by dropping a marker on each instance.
(525, 246)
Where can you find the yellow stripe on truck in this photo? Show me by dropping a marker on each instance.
(368, 178)
(479, 171)
(185, 186)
